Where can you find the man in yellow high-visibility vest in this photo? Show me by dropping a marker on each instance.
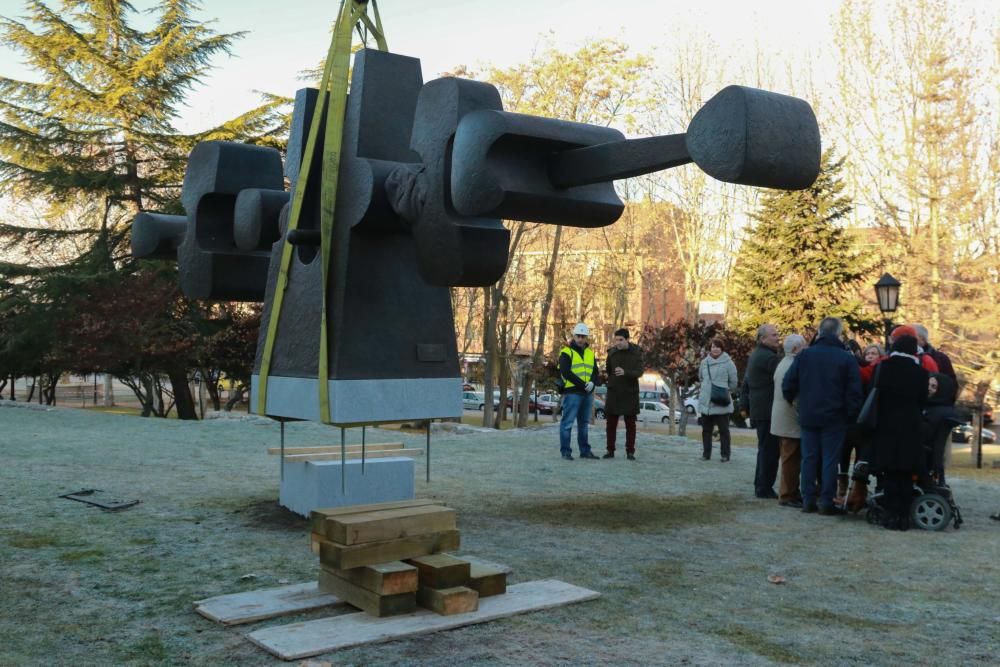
(577, 369)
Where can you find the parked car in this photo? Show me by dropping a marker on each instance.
(661, 396)
(547, 403)
(654, 411)
(496, 399)
(966, 433)
(599, 408)
(472, 400)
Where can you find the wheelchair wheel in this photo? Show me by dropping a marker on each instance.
(930, 512)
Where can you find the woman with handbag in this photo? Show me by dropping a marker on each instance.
(718, 378)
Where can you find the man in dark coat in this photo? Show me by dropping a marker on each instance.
(943, 360)
(897, 446)
(827, 383)
(624, 368)
(758, 395)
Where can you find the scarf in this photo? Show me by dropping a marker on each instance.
(916, 360)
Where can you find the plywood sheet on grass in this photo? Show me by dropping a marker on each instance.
(309, 638)
(253, 606)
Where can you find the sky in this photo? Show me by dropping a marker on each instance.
(445, 33)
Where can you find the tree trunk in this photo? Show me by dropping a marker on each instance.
(543, 322)
(211, 381)
(235, 397)
(146, 397)
(109, 390)
(31, 390)
(675, 394)
(678, 404)
(182, 394)
(49, 389)
(158, 403)
(503, 380)
(489, 350)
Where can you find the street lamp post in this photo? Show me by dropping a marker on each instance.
(887, 292)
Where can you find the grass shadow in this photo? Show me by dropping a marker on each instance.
(82, 555)
(22, 540)
(261, 513)
(631, 513)
(854, 622)
(753, 641)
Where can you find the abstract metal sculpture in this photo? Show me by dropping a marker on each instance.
(426, 173)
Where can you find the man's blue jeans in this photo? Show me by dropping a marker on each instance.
(576, 407)
(821, 451)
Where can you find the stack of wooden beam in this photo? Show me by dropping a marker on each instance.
(374, 450)
(388, 558)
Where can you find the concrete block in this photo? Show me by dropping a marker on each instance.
(309, 485)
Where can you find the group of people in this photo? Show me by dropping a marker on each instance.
(804, 400)
(577, 370)
(805, 406)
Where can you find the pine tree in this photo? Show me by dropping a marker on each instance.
(798, 265)
(90, 144)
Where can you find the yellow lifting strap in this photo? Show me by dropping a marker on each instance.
(333, 94)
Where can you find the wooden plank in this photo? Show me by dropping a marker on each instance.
(302, 640)
(322, 449)
(373, 603)
(355, 455)
(448, 601)
(319, 516)
(487, 580)
(252, 606)
(441, 570)
(389, 578)
(389, 524)
(344, 557)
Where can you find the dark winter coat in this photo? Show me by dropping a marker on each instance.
(827, 383)
(759, 382)
(623, 392)
(898, 443)
(943, 361)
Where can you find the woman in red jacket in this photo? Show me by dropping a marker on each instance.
(926, 361)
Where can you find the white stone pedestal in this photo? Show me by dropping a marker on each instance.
(309, 485)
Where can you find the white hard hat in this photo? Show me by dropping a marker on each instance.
(581, 330)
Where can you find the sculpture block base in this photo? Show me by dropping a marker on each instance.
(362, 401)
(309, 485)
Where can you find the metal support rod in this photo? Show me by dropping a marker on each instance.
(282, 459)
(363, 450)
(428, 453)
(343, 462)
(888, 333)
(617, 159)
(980, 418)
